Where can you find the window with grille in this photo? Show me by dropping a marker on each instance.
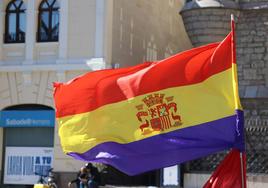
(15, 22)
(48, 21)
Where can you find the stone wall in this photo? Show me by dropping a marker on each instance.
(211, 24)
(256, 112)
(252, 55)
(208, 21)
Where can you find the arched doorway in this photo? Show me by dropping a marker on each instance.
(28, 140)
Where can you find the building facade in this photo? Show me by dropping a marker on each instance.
(208, 21)
(46, 41)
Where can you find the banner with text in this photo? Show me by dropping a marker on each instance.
(22, 164)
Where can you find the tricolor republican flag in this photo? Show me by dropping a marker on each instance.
(155, 114)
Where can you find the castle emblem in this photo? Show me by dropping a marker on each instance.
(157, 113)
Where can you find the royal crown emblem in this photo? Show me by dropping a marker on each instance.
(157, 113)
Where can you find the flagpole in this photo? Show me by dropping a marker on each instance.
(234, 61)
(242, 169)
(233, 38)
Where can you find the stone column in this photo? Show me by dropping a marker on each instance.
(2, 29)
(99, 35)
(30, 32)
(63, 33)
(2, 21)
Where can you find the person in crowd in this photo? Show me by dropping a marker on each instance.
(94, 176)
(82, 178)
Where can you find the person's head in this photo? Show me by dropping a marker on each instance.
(88, 165)
(83, 170)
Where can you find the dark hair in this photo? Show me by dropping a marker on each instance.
(88, 165)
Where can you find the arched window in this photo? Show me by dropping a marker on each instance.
(15, 22)
(48, 21)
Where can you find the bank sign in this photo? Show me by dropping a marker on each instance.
(22, 164)
(37, 118)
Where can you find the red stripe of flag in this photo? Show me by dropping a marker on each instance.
(95, 89)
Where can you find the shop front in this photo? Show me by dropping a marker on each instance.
(28, 136)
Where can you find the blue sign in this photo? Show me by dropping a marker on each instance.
(37, 118)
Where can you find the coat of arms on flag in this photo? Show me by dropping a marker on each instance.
(158, 113)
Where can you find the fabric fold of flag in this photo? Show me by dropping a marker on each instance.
(229, 173)
(155, 114)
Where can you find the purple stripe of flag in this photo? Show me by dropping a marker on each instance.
(170, 148)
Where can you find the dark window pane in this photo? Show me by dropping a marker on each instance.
(44, 5)
(49, 21)
(12, 27)
(15, 26)
(55, 33)
(17, 3)
(50, 2)
(12, 23)
(55, 25)
(22, 28)
(12, 7)
(43, 30)
(22, 24)
(56, 5)
(43, 34)
(45, 19)
(55, 19)
(23, 7)
(22, 136)
(44, 26)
